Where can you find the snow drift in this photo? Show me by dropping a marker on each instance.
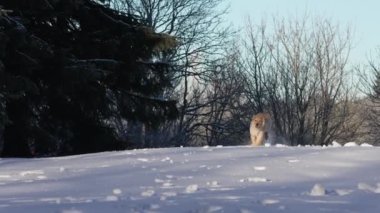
(209, 179)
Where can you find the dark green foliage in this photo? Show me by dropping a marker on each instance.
(68, 68)
(376, 86)
(374, 113)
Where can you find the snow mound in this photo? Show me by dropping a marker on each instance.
(259, 168)
(116, 191)
(196, 179)
(343, 192)
(318, 190)
(351, 144)
(191, 188)
(336, 144)
(367, 187)
(148, 193)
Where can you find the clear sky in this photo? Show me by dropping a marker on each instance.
(362, 15)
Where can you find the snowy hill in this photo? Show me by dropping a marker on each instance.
(209, 179)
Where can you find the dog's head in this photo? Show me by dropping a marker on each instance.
(260, 121)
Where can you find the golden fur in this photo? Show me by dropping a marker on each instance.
(259, 129)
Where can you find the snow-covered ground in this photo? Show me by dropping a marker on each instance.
(238, 179)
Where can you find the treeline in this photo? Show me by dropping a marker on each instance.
(88, 76)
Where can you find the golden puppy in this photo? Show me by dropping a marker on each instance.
(259, 128)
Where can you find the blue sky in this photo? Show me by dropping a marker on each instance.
(362, 15)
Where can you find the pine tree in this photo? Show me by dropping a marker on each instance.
(374, 114)
(70, 67)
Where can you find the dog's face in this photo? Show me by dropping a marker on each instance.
(260, 121)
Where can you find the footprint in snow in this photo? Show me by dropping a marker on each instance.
(35, 174)
(169, 194)
(319, 190)
(367, 187)
(167, 185)
(213, 183)
(255, 180)
(166, 195)
(267, 202)
(191, 188)
(143, 159)
(160, 180)
(112, 198)
(259, 168)
(116, 191)
(209, 209)
(167, 159)
(169, 176)
(245, 211)
(71, 211)
(146, 208)
(343, 192)
(31, 172)
(148, 193)
(164, 183)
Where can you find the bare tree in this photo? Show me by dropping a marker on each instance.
(331, 100)
(201, 36)
(299, 73)
(255, 58)
(223, 121)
